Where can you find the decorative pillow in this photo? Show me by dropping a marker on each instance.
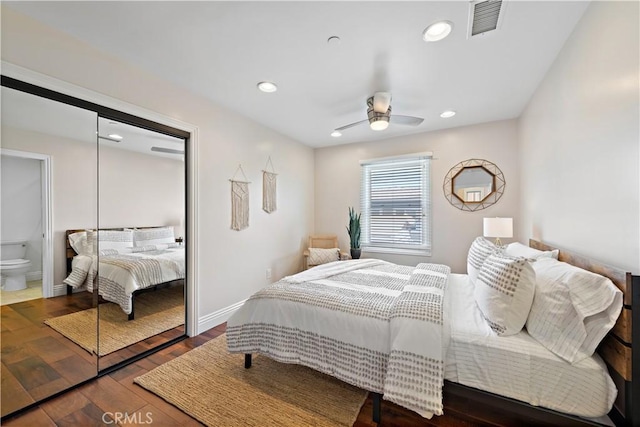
(112, 239)
(518, 249)
(573, 309)
(504, 292)
(319, 256)
(80, 266)
(79, 243)
(480, 249)
(153, 236)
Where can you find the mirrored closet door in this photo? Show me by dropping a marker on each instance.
(49, 185)
(93, 241)
(140, 240)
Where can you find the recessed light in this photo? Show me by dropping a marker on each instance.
(447, 114)
(334, 40)
(437, 31)
(267, 87)
(115, 136)
(336, 134)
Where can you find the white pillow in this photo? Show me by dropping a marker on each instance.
(480, 249)
(112, 239)
(319, 256)
(573, 309)
(80, 266)
(80, 244)
(504, 292)
(153, 236)
(518, 249)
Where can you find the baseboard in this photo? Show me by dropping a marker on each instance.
(33, 275)
(59, 290)
(217, 317)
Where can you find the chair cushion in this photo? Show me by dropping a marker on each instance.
(319, 256)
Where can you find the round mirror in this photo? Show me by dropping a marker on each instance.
(474, 184)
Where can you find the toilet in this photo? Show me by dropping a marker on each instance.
(13, 266)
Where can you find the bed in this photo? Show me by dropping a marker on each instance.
(131, 261)
(465, 359)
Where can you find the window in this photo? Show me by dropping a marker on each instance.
(396, 205)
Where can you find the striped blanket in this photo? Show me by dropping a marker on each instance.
(373, 324)
(120, 274)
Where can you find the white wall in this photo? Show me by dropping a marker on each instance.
(580, 138)
(231, 264)
(337, 185)
(22, 207)
(139, 190)
(135, 189)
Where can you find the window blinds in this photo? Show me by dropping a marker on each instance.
(395, 203)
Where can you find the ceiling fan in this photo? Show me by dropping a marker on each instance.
(379, 114)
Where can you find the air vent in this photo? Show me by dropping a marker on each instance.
(485, 16)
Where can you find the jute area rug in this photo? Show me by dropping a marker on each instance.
(155, 312)
(212, 386)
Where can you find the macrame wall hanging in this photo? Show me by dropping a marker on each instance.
(269, 188)
(239, 201)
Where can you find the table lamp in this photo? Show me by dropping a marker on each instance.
(498, 227)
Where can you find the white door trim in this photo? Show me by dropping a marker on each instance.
(42, 80)
(47, 215)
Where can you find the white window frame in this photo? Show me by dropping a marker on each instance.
(422, 249)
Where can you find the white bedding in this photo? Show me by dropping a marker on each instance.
(373, 324)
(122, 272)
(518, 366)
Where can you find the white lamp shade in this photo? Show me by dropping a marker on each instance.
(179, 230)
(498, 227)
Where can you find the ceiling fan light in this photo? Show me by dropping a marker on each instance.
(380, 124)
(437, 31)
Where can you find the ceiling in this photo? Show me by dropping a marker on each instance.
(221, 50)
(55, 118)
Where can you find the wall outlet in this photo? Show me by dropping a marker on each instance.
(268, 273)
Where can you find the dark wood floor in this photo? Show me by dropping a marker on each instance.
(38, 362)
(116, 392)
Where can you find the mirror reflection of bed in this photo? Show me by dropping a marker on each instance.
(136, 282)
(141, 215)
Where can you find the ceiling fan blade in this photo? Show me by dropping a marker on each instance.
(405, 120)
(381, 102)
(166, 150)
(352, 125)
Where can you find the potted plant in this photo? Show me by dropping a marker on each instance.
(354, 233)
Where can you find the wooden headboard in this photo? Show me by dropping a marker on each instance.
(621, 347)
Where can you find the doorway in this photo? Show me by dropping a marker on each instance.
(26, 223)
